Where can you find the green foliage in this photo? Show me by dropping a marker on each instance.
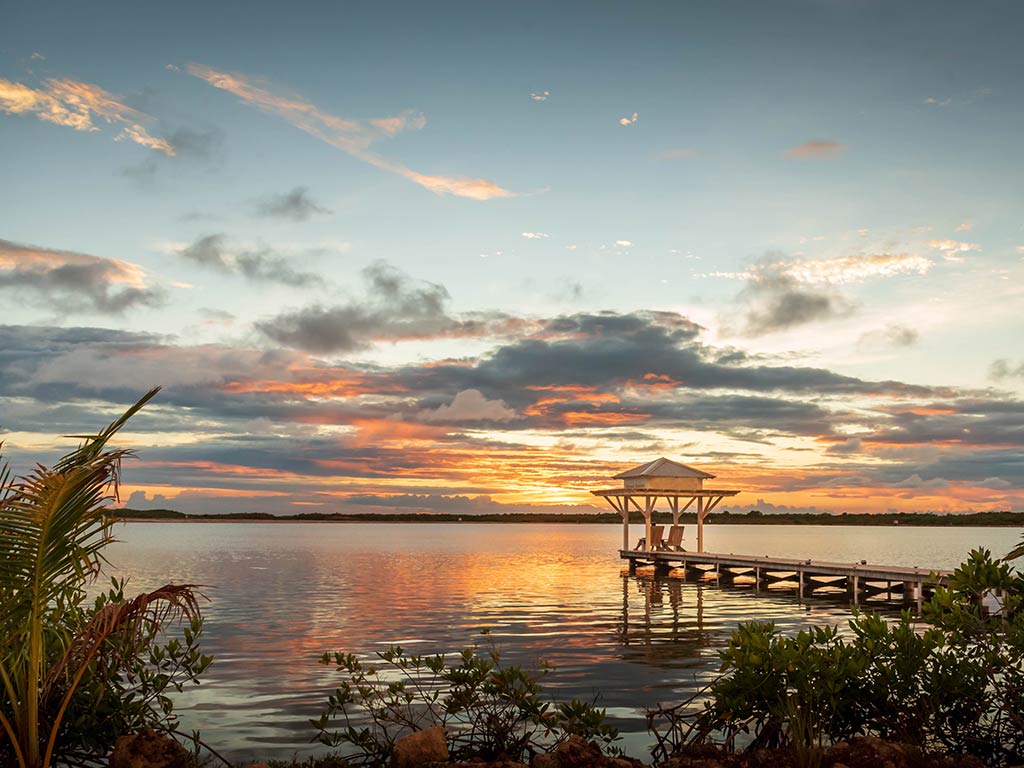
(489, 710)
(72, 676)
(954, 684)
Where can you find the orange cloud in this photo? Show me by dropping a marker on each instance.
(74, 105)
(353, 137)
(41, 261)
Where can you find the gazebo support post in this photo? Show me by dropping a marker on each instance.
(648, 507)
(700, 523)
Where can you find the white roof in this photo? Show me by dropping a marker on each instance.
(662, 468)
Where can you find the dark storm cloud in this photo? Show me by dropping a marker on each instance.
(608, 350)
(296, 205)
(68, 281)
(778, 302)
(395, 307)
(742, 416)
(966, 421)
(261, 265)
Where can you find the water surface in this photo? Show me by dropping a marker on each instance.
(283, 593)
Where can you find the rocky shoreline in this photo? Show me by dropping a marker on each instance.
(428, 749)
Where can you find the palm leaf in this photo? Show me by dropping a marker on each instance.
(1016, 552)
(52, 530)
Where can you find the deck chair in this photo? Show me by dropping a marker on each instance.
(674, 542)
(656, 533)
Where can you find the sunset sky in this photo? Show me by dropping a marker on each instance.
(479, 257)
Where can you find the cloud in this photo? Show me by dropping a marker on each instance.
(816, 149)
(778, 302)
(836, 271)
(238, 423)
(1019, 249)
(542, 96)
(943, 102)
(891, 336)
(296, 205)
(847, 447)
(951, 249)
(916, 481)
(75, 282)
(629, 120)
(407, 120)
(79, 105)
(965, 226)
(624, 243)
(536, 235)
(396, 307)
(260, 265)
(470, 405)
(198, 145)
(1002, 369)
(354, 137)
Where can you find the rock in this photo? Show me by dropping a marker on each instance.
(576, 752)
(149, 749)
(420, 748)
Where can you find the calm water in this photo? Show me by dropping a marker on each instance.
(281, 594)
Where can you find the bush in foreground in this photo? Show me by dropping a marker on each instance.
(489, 710)
(74, 676)
(954, 686)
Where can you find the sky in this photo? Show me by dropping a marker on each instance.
(479, 257)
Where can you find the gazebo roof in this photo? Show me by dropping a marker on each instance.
(662, 468)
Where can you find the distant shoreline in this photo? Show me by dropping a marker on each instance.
(922, 520)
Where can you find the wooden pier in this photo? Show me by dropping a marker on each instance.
(859, 580)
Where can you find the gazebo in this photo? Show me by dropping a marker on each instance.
(668, 480)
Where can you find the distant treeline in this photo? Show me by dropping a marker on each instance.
(753, 517)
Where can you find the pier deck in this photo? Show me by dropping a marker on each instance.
(856, 578)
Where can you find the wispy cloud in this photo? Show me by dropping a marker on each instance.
(410, 119)
(893, 335)
(965, 225)
(1002, 369)
(816, 148)
(835, 271)
(79, 105)
(259, 265)
(296, 205)
(354, 137)
(536, 235)
(76, 282)
(542, 96)
(776, 301)
(629, 120)
(939, 102)
(624, 243)
(951, 249)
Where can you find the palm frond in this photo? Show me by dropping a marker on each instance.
(1016, 552)
(134, 621)
(52, 531)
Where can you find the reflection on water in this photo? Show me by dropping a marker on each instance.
(282, 594)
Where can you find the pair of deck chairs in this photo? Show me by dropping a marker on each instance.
(674, 542)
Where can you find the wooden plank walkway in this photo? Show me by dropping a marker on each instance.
(856, 578)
